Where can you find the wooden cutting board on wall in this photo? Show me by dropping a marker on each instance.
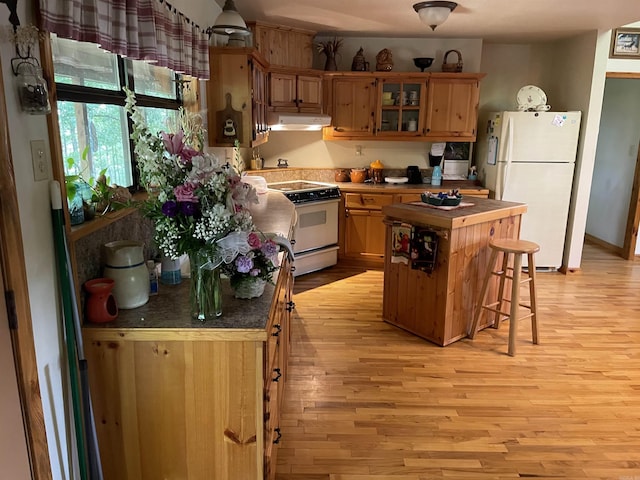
(228, 123)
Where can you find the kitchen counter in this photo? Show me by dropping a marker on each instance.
(466, 185)
(438, 305)
(170, 309)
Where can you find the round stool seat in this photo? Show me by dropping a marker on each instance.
(509, 245)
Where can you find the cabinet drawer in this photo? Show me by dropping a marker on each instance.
(369, 201)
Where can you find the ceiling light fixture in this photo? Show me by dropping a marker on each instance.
(229, 21)
(435, 12)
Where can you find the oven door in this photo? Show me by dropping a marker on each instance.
(317, 225)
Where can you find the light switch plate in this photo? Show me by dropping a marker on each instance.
(40, 160)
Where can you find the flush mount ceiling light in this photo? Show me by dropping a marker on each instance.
(434, 13)
(229, 21)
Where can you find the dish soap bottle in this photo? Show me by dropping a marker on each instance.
(436, 176)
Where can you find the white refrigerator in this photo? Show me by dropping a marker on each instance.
(529, 157)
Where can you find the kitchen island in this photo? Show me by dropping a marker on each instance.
(436, 299)
(174, 397)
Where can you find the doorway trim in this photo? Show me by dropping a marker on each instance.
(15, 281)
(628, 251)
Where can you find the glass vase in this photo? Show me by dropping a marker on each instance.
(206, 289)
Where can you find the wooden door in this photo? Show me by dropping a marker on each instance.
(300, 49)
(352, 107)
(452, 108)
(309, 93)
(282, 87)
(260, 131)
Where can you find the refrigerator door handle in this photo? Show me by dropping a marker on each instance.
(504, 178)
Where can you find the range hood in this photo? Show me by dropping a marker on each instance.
(280, 121)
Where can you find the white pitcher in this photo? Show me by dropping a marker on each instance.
(124, 263)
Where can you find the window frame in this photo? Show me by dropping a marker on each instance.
(66, 92)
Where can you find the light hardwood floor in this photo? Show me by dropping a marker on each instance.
(368, 401)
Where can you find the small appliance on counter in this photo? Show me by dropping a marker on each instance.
(413, 174)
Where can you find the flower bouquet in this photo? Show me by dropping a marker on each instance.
(199, 206)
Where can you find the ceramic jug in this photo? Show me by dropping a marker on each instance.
(124, 263)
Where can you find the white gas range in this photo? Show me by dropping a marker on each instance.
(316, 230)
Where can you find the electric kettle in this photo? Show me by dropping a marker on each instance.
(124, 263)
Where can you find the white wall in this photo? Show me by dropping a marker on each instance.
(35, 215)
(577, 76)
(615, 161)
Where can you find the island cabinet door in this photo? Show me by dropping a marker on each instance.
(177, 409)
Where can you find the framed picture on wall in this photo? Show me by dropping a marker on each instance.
(625, 43)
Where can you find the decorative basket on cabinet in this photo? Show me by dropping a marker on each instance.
(452, 67)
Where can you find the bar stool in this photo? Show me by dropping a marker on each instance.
(510, 248)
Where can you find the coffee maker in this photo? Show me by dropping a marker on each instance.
(413, 174)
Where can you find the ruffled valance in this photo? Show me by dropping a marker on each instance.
(150, 30)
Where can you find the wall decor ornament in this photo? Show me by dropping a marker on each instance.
(625, 43)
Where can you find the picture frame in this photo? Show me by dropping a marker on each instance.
(625, 43)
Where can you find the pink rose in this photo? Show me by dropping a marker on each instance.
(185, 193)
(253, 240)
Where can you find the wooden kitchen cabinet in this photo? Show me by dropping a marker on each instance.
(445, 109)
(452, 107)
(364, 227)
(400, 107)
(237, 98)
(191, 403)
(283, 46)
(295, 91)
(352, 102)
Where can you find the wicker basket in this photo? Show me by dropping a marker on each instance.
(452, 67)
(249, 288)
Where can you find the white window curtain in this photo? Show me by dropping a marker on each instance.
(149, 30)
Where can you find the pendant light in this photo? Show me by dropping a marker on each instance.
(229, 22)
(434, 13)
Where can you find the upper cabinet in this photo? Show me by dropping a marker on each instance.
(283, 46)
(295, 91)
(351, 101)
(452, 109)
(401, 106)
(237, 97)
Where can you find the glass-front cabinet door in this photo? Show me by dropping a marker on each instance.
(401, 102)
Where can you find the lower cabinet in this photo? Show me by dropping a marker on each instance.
(361, 230)
(197, 403)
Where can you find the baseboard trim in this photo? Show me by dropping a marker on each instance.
(601, 243)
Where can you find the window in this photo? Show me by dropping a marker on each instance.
(94, 128)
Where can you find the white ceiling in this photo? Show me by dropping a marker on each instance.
(496, 21)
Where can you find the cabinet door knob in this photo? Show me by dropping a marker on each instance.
(278, 329)
(290, 306)
(278, 435)
(278, 373)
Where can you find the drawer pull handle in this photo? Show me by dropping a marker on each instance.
(278, 374)
(278, 435)
(290, 306)
(278, 328)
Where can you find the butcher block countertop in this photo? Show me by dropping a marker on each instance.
(467, 186)
(483, 210)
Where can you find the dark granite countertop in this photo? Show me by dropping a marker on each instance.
(170, 308)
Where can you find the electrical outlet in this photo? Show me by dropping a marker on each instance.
(358, 150)
(40, 160)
